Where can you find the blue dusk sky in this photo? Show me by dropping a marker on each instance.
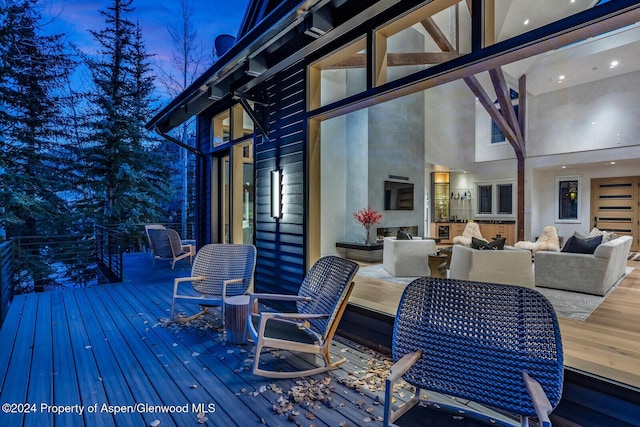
(209, 17)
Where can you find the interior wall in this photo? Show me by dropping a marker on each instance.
(449, 109)
(396, 148)
(587, 117)
(333, 183)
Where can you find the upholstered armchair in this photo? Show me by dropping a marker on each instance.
(407, 258)
(548, 241)
(472, 229)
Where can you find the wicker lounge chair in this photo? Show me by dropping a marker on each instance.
(219, 271)
(320, 302)
(166, 244)
(496, 345)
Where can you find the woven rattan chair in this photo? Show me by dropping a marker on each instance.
(320, 302)
(496, 345)
(166, 244)
(219, 271)
(148, 227)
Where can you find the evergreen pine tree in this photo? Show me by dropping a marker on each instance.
(33, 72)
(124, 170)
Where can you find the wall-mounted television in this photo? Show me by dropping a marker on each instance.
(398, 196)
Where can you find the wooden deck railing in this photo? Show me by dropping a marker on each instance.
(50, 262)
(6, 278)
(109, 248)
(40, 263)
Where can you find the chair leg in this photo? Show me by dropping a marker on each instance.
(328, 365)
(204, 311)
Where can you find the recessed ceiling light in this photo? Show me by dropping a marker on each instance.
(564, 167)
(561, 77)
(573, 1)
(593, 123)
(526, 22)
(612, 163)
(613, 64)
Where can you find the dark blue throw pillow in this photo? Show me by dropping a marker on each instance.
(403, 235)
(577, 245)
(479, 244)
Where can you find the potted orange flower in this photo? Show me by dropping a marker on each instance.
(367, 217)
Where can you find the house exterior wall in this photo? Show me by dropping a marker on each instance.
(280, 266)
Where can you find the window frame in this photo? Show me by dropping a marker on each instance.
(495, 202)
(558, 181)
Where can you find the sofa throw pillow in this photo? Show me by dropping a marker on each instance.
(606, 235)
(577, 245)
(478, 243)
(403, 235)
(497, 243)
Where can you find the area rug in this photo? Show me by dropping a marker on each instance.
(575, 305)
(378, 272)
(568, 304)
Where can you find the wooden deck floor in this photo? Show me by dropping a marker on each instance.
(108, 356)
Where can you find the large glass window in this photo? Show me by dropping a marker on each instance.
(577, 123)
(485, 201)
(220, 129)
(505, 199)
(567, 199)
(433, 34)
(339, 75)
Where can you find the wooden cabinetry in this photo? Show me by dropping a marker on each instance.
(489, 231)
(448, 230)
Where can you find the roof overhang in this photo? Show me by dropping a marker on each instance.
(292, 31)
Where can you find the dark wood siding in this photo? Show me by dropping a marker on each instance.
(203, 180)
(281, 243)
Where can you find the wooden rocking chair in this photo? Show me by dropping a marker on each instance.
(320, 302)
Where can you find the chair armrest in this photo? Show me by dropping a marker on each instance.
(299, 316)
(402, 366)
(178, 280)
(280, 297)
(539, 399)
(397, 370)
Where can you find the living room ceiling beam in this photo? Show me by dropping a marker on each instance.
(504, 99)
(397, 59)
(484, 99)
(437, 35)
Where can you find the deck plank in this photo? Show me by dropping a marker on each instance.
(115, 343)
(91, 387)
(118, 393)
(8, 335)
(16, 383)
(65, 380)
(41, 365)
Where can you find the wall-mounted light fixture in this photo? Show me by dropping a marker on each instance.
(276, 193)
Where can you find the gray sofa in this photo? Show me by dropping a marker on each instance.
(510, 266)
(591, 274)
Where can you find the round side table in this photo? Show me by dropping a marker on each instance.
(435, 261)
(236, 309)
